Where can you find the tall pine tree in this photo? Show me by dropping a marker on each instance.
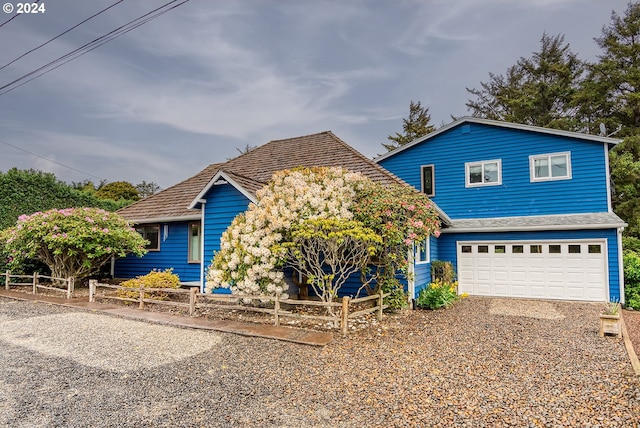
(415, 126)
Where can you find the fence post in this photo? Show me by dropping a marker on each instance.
(141, 297)
(92, 290)
(192, 300)
(345, 315)
(70, 283)
(6, 280)
(276, 309)
(380, 302)
(35, 283)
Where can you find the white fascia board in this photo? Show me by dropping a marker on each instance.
(165, 219)
(220, 175)
(510, 125)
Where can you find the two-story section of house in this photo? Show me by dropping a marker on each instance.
(527, 210)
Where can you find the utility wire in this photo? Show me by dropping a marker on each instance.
(131, 25)
(59, 35)
(51, 160)
(14, 16)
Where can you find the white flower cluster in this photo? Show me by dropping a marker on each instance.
(250, 257)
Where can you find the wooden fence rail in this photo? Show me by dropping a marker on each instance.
(197, 300)
(34, 281)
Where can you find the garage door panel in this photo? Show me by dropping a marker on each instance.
(573, 270)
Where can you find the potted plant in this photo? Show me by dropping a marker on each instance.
(610, 320)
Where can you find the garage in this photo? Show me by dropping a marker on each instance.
(567, 270)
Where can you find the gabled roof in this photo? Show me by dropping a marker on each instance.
(251, 171)
(322, 149)
(469, 119)
(172, 202)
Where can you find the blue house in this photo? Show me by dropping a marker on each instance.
(526, 210)
(184, 223)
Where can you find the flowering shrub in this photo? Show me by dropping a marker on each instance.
(401, 216)
(292, 211)
(438, 294)
(154, 279)
(251, 257)
(73, 242)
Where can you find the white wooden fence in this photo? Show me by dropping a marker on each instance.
(191, 299)
(34, 281)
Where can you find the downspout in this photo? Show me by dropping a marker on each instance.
(202, 281)
(411, 280)
(620, 265)
(112, 271)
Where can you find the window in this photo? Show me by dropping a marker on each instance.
(195, 243)
(422, 252)
(574, 249)
(427, 175)
(500, 249)
(554, 166)
(535, 249)
(466, 249)
(517, 249)
(555, 249)
(483, 248)
(594, 249)
(485, 173)
(151, 234)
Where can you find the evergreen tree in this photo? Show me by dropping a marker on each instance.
(539, 90)
(415, 126)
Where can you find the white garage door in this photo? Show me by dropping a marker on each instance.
(570, 270)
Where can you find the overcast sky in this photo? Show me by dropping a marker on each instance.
(191, 86)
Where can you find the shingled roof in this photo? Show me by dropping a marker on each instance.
(252, 171)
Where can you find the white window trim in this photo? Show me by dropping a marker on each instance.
(548, 156)
(433, 179)
(418, 261)
(468, 183)
(190, 239)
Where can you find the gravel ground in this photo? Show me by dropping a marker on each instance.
(477, 364)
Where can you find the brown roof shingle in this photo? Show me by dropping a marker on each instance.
(254, 169)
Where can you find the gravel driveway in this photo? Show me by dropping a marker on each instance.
(477, 364)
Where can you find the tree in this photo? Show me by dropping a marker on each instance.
(328, 251)
(29, 191)
(118, 190)
(540, 90)
(147, 189)
(72, 242)
(415, 126)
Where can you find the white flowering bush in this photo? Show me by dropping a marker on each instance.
(307, 214)
(251, 255)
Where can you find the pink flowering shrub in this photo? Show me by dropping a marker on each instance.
(73, 242)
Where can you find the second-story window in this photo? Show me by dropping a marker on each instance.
(483, 173)
(553, 166)
(428, 183)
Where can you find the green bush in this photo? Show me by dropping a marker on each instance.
(154, 279)
(631, 261)
(443, 271)
(631, 243)
(438, 294)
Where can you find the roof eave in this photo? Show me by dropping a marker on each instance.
(540, 228)
(167, 219)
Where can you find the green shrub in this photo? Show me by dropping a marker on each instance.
(438, 294)
(631, 243)
(443, 271)
(154, 279)
(631, 261)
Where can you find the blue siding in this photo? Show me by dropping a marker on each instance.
(585, 192)
(173, 254)
(447, 246)
(224, 203)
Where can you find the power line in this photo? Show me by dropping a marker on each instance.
(59, 35)
(13, 17)
(131, 25)
(52, 161)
